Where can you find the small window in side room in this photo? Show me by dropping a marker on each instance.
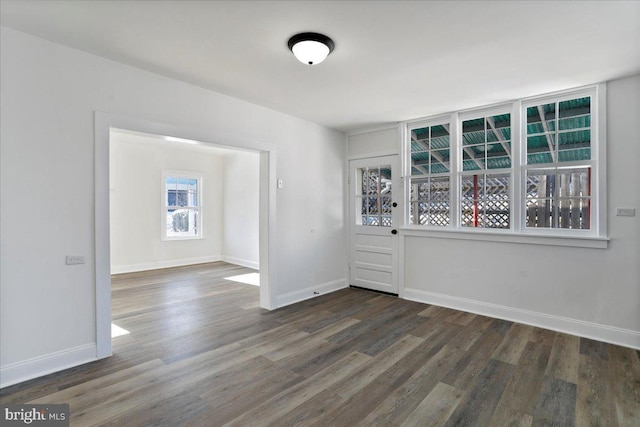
(182, 207)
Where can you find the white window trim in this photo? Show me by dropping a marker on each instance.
(435, 121)
(597, 163)
(493, 110)
(492, 235)
(595, 237)
(163, 204)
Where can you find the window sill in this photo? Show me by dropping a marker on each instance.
(170, 239)
(510, 237)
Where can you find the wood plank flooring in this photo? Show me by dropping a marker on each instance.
(202, 353)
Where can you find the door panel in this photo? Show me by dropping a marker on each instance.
(379, 258)
(374, 187)
(373, 240)
(372, 278)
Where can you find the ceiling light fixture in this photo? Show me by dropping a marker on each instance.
(311, 48)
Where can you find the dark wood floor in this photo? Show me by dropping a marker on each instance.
(202, 353)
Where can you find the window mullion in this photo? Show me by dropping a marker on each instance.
(598, 194)
(455, 170)
(430, 170)
(518, 141)
(378, 199)
(366, 195)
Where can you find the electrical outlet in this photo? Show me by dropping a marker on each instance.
(73, 260)
(625, 212)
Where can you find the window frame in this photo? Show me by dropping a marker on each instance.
(364, 199)
(198, 176)
(595, 236)
(596, 163)
(459, 146)
(453, 158)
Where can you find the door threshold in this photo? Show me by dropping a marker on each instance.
(373, 290)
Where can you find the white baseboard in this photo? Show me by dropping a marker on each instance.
(596, 331)
(310, 292)
(131, 268)
(242, 262)
(43, 365)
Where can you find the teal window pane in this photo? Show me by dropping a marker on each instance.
(498, 163)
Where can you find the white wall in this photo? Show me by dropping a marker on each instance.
(589, 292)
(136, 167)
(374, 143)
(48, 96)
(240, 208)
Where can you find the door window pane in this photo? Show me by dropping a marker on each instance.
(375, 198)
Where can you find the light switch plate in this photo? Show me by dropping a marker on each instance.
(73, 260)
(625, 211)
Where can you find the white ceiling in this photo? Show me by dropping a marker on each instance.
(394, 60)
(130, 136)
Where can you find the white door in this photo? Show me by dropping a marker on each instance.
(374, 215)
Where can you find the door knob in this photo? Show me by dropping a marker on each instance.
(394, 204)
(394, 231)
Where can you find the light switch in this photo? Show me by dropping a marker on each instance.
(72, 260)
(625, 212)
(280, 183)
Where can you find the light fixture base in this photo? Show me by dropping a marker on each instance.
(310, 48)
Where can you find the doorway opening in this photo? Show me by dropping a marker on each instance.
(177, 203)
(107, 125)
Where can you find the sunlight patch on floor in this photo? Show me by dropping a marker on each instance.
(249, 278)
(117, 331)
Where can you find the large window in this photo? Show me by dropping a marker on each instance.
(182, 206)
(485, 179)
(529, 166)
(430, 175)
(558, 164)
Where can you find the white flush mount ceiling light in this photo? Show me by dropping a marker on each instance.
(311, 48)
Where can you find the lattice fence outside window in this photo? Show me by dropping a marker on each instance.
(485, 201)
(431, 201)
